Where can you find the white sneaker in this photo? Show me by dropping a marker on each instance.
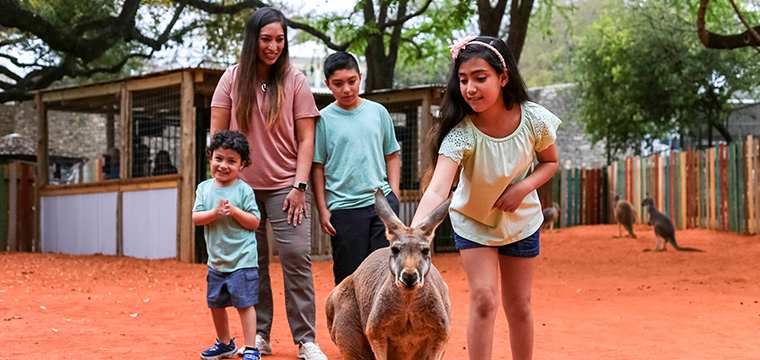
(310, 351)
(264, 346)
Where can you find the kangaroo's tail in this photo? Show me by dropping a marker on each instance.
(675, 246)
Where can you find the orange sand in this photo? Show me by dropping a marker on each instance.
(594, 297)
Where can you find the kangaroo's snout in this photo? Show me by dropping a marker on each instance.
(410, 278)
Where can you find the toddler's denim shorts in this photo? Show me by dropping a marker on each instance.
(239, 288)
(525, 248)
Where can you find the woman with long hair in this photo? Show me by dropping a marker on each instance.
(269, 101)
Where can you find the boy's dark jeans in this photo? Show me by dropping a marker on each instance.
(359, 232)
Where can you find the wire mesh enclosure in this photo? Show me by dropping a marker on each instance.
(156, 133)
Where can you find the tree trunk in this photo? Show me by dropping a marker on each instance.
(380, 67)
(722, 130)
(489, 18)
(518, 26)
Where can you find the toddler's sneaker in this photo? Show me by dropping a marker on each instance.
(264, 346)
(220, 350)
(251, 354)
(310, 351)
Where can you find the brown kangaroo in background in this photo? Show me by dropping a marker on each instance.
(550, 214)
(395, 306)
(625, 215)
(663, 228)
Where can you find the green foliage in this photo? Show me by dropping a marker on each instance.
(642, 73)
(423, 50)
(550, 50)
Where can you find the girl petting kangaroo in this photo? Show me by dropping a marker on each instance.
(489, 128)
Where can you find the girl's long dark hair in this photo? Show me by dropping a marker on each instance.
(248, 71)
(454, 107)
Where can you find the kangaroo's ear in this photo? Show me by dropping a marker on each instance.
(428, 224)
(393, 226)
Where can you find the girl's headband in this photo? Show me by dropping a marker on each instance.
(461, 44)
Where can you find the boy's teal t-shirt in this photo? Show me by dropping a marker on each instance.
(230, 246)
(352, 144)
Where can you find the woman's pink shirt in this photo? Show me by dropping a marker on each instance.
(273, 153)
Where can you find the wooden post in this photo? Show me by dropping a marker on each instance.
(755, 181)
(713, 173)
(750, 186)
(426, 122)
(731, 188)
(666, 189)
(740, 226)
(563, 200)
(13, 206)
(185, 227)
(577, 200)
(684, 193)
(125, 127)
(719, 183)
(3, 211)
(660, 183)
(671, 187)
(43, 172)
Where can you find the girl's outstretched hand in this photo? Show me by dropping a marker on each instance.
(512, 197)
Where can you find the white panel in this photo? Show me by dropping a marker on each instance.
(150, 223)
(79, 224)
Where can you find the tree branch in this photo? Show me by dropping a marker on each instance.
(15, 61)
(715, 41)
(319, 35)
(746, 25)
(222, 9)
(401, 21)
(7, 72)
(164, 37)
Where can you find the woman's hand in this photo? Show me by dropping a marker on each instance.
(512, 197)
(295, 205)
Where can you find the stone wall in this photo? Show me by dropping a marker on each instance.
(573, 146)
(73, 134)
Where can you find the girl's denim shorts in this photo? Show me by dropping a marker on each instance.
(525, 248)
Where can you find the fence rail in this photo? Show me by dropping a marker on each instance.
(716, 188)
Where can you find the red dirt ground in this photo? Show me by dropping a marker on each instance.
(594, 297)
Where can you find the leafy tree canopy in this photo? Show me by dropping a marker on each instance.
(642, 73)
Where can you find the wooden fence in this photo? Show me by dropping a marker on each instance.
(716, 188)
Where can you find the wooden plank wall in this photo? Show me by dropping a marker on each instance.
(716, 188)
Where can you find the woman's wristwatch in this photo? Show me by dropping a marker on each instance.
(299, 185)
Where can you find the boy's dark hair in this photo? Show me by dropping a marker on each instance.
(231, 140)
(340, 60)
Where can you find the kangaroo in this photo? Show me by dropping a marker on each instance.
(550, 214)
(663, 228)
(625, 215)
(395, 306)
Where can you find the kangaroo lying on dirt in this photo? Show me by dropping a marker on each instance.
(395, 306)
(625, 215)
(550, 214)
(663, 228)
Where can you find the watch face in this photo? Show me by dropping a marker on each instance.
(301, 186)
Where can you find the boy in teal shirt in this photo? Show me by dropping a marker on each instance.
(355, 152)
(226, 207)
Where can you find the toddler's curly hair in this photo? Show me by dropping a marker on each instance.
(231, 140)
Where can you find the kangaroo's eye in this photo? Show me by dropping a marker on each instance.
(395, 250)
(426, 251)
